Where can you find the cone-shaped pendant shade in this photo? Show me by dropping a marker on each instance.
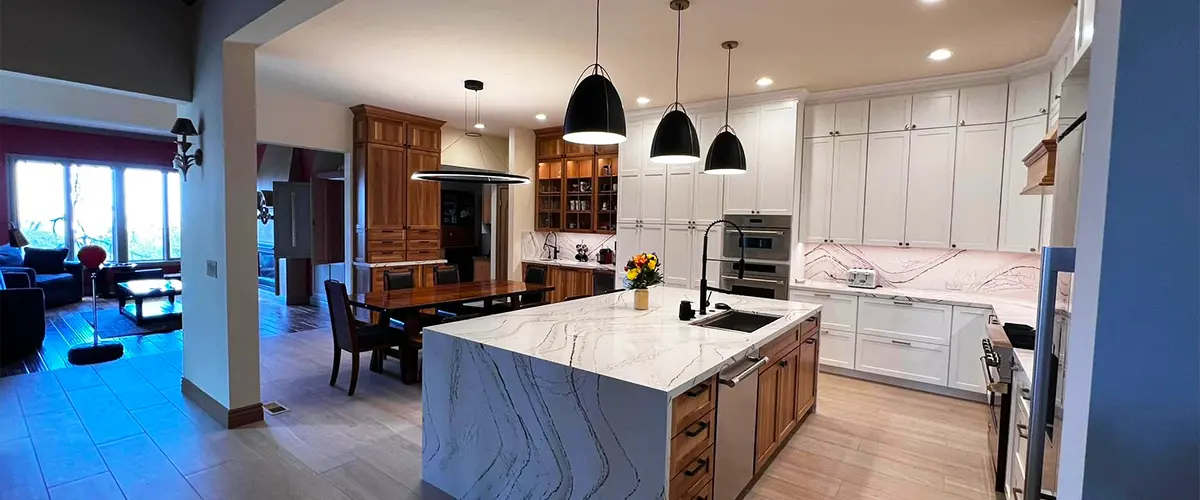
(675, 140)
(594, 114)
(726, 155)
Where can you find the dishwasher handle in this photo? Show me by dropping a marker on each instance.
(733, 381)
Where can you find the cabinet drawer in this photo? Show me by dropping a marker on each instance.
(691, 405)
(775, 349)
(415, 255)
(917, 361)
(385, 245)
(694, 475)
(385, 255)
(423, 244)
(809, 327)
(840, 312)
(690, 443)
(700, 492)
(904, 320)
(425, 234)
(385, 234)
(837, 348)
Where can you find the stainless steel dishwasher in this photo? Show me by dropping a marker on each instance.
(737, 408)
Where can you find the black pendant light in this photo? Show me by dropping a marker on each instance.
(472, 120)
(594, 113)
(726, 155)
(675, 139)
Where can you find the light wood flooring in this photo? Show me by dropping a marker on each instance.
(122, 430)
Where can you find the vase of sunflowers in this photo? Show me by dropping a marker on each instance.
(643, 271)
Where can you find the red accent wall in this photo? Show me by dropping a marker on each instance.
(72, 145)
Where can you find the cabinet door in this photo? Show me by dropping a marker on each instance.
(681, 183)
(1020, 215)
(709, 198)
(838, 312)
(741, 190)
(816, 177)
(652, 240)
(915, 361)
(806, 374)
(630, 151)
(819, 120)
(1029, 96)
(714, 250)
(852, 117)
(978, 170)
(837, 348)
(625, 246)
(967, 331)
(904, 320)
(643, 148)
(549, 147)
(846, 194)
(777, 159)
(425, 138)
(786, 404)
(424, 197)
(677, 254)
(934, 110)
(573, 149)
(385, 187)
(768, 397)
(890, 114)
(654, 192)
(385, 131)
(983, 105)
(629, 199)
(886, 188)
(930, 188)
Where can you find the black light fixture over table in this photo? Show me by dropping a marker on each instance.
(472, 122)
(675, 138)
(594, 113)
(726, 155)
(183, 161)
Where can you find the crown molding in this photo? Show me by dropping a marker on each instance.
(800, 96)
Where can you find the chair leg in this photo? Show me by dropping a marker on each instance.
(337, 365)
(353, 374)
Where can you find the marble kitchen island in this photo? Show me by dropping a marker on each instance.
(593, 399)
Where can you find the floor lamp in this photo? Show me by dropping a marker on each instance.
(92, 256)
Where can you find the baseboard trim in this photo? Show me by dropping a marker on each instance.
(229, 419)
(906, 384)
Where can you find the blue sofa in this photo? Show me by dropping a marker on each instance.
(22, 316)
(60, 280)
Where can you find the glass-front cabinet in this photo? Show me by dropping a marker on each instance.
(550, 195)
(576, 185)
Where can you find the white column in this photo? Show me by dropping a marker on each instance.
(521, 206)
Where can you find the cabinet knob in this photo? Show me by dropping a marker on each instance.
(962, 122)
(1033, 250)
(908, 244)
(912, 126)
(830, 132)
(899, 243)
(1041, 110)
(953, 245)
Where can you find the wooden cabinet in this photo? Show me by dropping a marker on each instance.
(806, 374)
(549, 146)
(576, 186)
(397, 218)
(785, 403)
(567, 282)
(787, 389)
(978, 169)
(765, 439)
(983, 105)
(1020, 215)
(693, 423)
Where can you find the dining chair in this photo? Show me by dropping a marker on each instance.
(402, 279)
(353, 336)
(448, 275)
(535, 275)
(445, 275)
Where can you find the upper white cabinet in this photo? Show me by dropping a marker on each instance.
(909, 188)
(1020, 215)
(1028, 97)
(741, 190)
(629, 203)
(968, 329)
(1085, 27)
(692, 196)
(890, 114)
(834, 172)
(681, 186)
(924, 111)
(978, 170)
(831, 119)
(816, 178)
(768, 134)
(982, 105)
(886, 189)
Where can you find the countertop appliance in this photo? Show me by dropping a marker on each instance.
(764, 237)
(737, 403)
(606, 256)
(862, 278)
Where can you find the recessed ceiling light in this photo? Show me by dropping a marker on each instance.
(765, 81)
(931, 2)
(643, 100)
(940, 55)
(540, 116)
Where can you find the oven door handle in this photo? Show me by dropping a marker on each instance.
(755, 231)
(992, 386)
(760, 280)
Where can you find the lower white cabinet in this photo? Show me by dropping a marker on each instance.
(904, 320)
(683, 249)
(639, 238)
(839, 312)
(837, 348)
(916, 361)
(968, 329)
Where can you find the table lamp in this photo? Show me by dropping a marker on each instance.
(92, 256)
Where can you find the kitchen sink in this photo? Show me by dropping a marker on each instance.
(740, 321)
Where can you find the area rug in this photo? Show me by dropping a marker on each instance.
(112, 324)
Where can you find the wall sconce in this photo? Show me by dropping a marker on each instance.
(183, 161)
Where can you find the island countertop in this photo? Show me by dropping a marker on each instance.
(605, 335)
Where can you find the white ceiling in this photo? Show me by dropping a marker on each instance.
(413, 55)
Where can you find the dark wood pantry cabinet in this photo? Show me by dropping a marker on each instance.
(576, 185)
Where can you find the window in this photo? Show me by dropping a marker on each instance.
(132, 212)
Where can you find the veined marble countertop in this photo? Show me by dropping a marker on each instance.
(605, 335)
(399, 264)
(591, 264)
(1008, 310)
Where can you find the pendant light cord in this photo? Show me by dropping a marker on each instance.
(597, 32)
(728, 70)
(678, 43)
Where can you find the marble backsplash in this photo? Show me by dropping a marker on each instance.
(1005, 274)
(532, 244)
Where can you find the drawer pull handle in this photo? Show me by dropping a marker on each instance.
(899, 303)
(902, 343)
(699, 428)
(1025, 393)
(700, 465)
(697, 391)
(812, 319)
(1023, 431)
(821, 295)
(811, 341)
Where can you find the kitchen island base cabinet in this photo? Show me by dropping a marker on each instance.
(787, 392)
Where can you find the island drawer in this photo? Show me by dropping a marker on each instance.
(690, 443)
(810, 327)
(693, 477)
(775, 349)
(699, 492)
(693, 404)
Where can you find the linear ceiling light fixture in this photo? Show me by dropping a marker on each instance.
(726, 155)
(472, 120)
(470, 176)
(594, 113)
(675, 140)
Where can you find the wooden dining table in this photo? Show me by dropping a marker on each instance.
(406, 306)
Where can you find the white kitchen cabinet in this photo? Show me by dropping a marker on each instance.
(983, 105)
(676, 255)
(816, 178)
(714, 250)
(967, 331)
(1085, 27)
(1020, 215)
(890, 114)
(741, 190)
(978, 170)
(640, 238)
(628, 242)
(629, 201)
(630, 151)
(837, 348)
(916, 361)
(681, 186)
(1029, 96)
(840, 312)
(776, 159)
(648, 128)
(904, 320)
(652, 239)
(846, 190)
(886, 189)
(642, 183)
(820, 120)
(654, 190)
(708, 196)
(934, 110)
(832, 119)
(930, 188)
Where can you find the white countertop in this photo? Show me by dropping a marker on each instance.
(1008, 310)
(399, 264)
(607, 336)
(591, 264)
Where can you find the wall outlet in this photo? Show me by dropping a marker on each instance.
(211, 268)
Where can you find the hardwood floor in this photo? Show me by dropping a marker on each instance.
(123, 430)
(70, 325)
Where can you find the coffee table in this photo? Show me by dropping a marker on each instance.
(140, 290)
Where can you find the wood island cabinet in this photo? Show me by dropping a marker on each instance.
(787, 389)
(576, 185)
